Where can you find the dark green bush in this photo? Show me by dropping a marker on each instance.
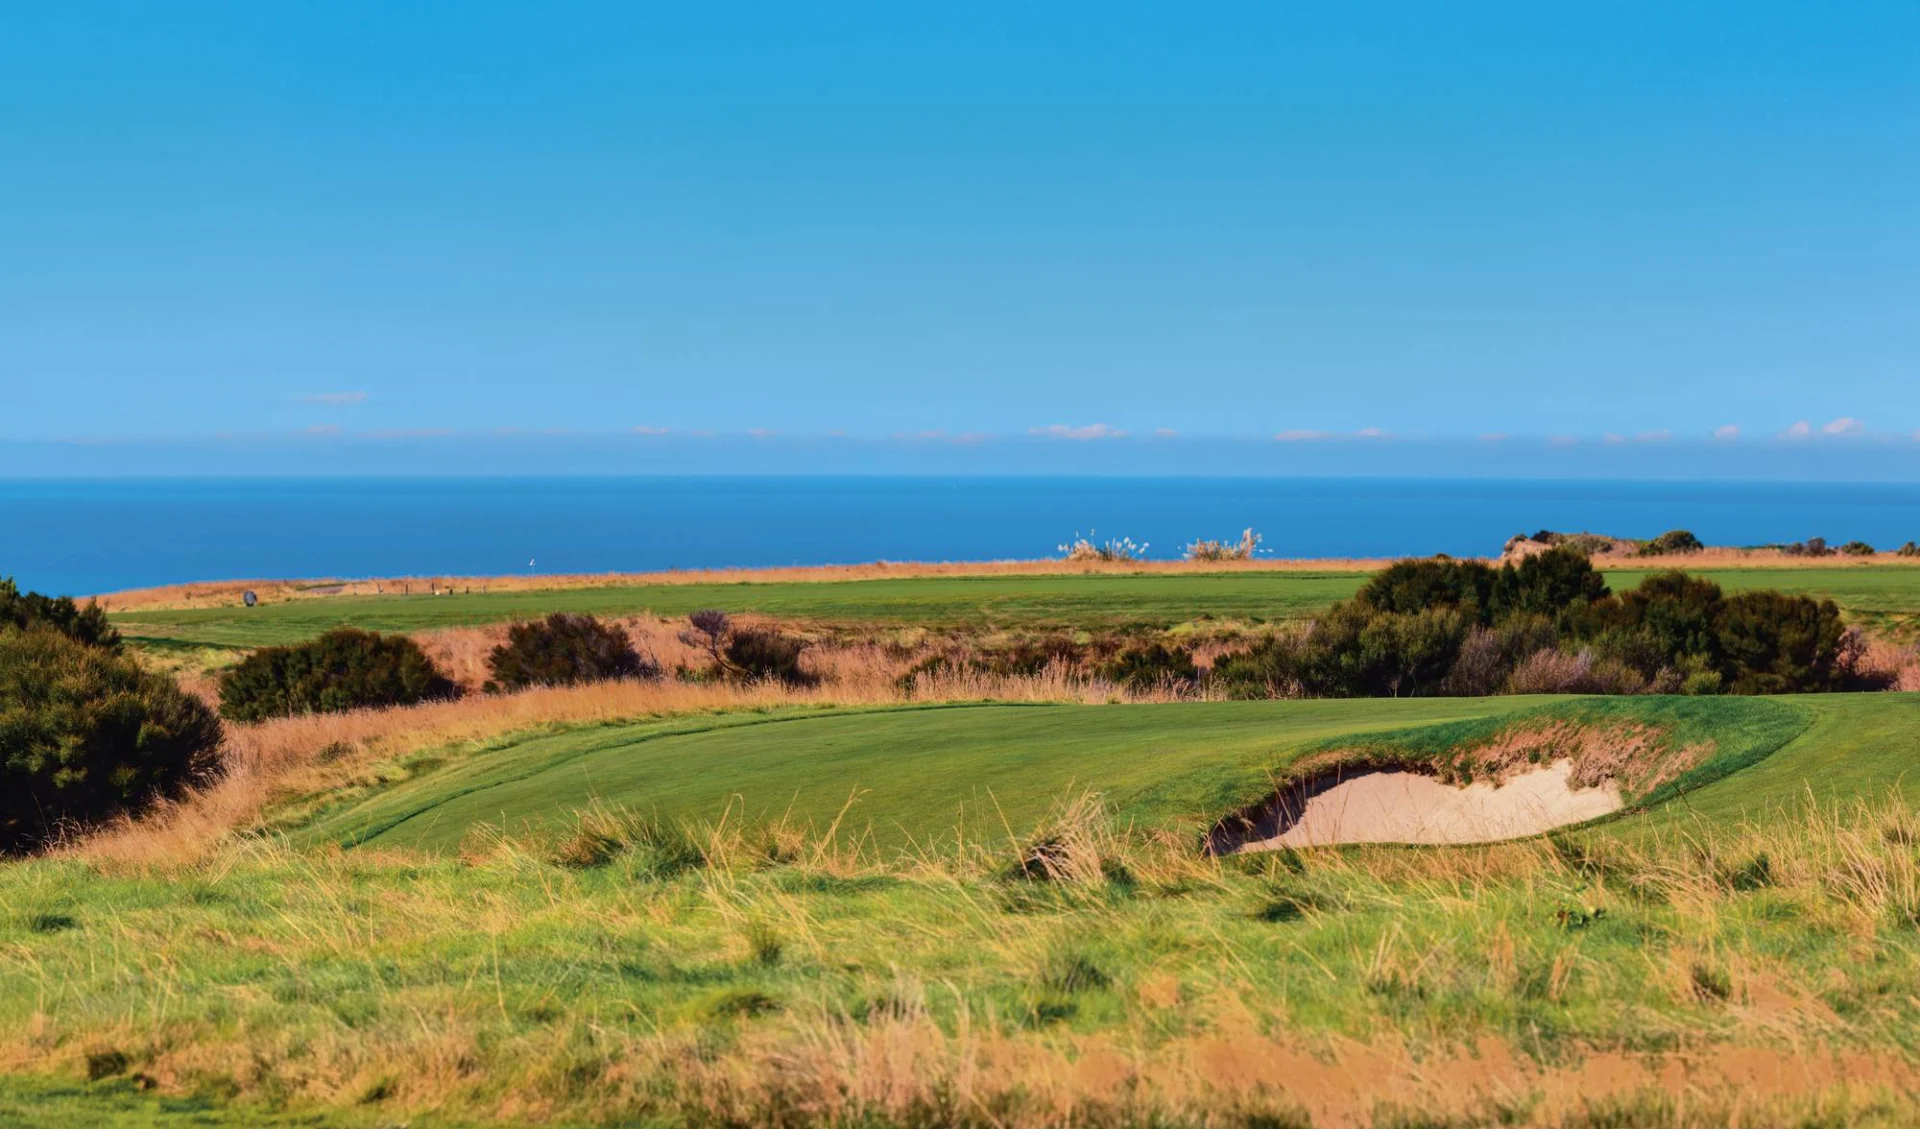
(564, 649)
(345, 669)
(1415, 585)
(1352, 651)
(83, 623)
(764, 655)
(1910, 549)
(1774, 643)
(1857, 549)
(1672, 541)
(1546, 583)
(87, 734)
(1558, 581)
(1150, 666)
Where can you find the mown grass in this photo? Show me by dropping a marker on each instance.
(917, 772)
(1885, 597)
(988, 601)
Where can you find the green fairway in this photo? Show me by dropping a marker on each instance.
(987, 601)
(1887, 597)
(921, 772)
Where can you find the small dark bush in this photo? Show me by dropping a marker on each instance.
(1910, 549)
(1774, 643)
(1672, 541)
(82, 623)
(87, 734)
(1150, 666)
(1415, 585)
(1857, 549)
(1029, 655)
(767, 655)
(345, 669)
(708, 630)
(1811, 547)
(1558, 581)
(564, 649)
(1353, 651)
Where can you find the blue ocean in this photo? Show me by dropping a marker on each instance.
(86, 536)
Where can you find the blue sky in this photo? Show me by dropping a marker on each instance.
(466, 235)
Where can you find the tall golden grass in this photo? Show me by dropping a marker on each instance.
(1735, 1025)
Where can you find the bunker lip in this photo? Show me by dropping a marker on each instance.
(1520, 781)
(1395, 805)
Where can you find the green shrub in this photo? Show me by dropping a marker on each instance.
(1414, 585)
(1857, 549)
(1558, 581)
(1910, 549)
(1811, 547)
(1150, 666)
(1672, 541)
(1546, 583)
(82, 623)
(563, 649)
(1774, 643)
(345, 669)
(87, 734)
(763, 655)
(1353, 651)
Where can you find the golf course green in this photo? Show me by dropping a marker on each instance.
(1884, 596)
(913, 775)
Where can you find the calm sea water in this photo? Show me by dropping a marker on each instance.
(94, 536)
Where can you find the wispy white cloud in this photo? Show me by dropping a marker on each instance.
(643, 429)
(1729, 431)
(1799, 430)
(1658, 435)
(762, 432)
(1845, 425)
(337, 399)
(1089, 431)
(1609, 437)
(1299, 435)
(324, 429)
(1165, 432)
(1494, 437)
(410, 433)
(1371, 433)
(972, 437)
(1563, 440)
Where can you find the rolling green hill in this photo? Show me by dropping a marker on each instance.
(919, 772)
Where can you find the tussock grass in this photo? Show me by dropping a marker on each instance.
(725, 972)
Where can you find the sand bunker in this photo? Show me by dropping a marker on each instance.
(1390, 806)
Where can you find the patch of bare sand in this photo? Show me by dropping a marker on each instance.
(1408, 807)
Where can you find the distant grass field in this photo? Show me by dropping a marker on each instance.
(1885, 597)
(921, 772)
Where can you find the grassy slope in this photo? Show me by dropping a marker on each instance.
(922, 772)
(344, 984)
(1883, 595)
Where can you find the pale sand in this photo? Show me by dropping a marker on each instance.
(1406, 807)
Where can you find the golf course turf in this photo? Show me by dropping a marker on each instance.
(914, 775)
(1884, 596)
